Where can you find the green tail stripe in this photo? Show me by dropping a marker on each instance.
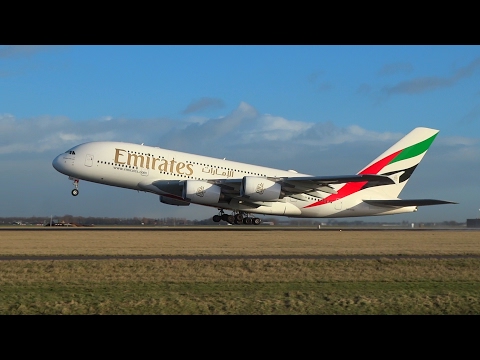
(414, 150)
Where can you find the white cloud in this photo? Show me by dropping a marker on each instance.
(8, 51)
(69, 137)
(7, 123)
(463, 153)
(273, 128)
(458, 140)
(196, 120)
(205, 103)
(43, 133)
(430, 83)
(243, 127)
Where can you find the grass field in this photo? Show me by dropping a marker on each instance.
(385, 285)
(214, 242)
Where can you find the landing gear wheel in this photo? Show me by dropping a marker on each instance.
(230, 219)
(217, 218)
(256, 221)
(238, 218)
(74, 192)
(247, 221)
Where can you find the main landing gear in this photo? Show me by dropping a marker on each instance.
(75, 183)
(237, 218)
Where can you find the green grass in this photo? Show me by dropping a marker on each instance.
(243, 298)
(387, 286)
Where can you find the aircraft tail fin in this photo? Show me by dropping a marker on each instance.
(401, 159)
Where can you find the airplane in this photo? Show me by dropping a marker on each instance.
(245, 190)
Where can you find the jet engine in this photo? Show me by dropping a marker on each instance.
(260, 189)
(172, 201)
(201, 192)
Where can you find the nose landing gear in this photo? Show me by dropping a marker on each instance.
(75, 183)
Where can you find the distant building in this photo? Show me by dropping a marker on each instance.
(473, 223)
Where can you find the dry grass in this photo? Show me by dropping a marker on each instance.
(237, 271)
(315, 242)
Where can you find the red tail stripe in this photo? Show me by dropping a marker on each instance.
(379, 165)
(352, 187)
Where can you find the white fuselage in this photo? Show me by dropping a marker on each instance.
(135, 166)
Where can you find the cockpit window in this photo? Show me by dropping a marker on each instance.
(71, 152)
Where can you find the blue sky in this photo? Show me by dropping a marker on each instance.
(318, 109)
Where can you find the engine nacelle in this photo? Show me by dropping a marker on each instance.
(260, 189)
(172, 201)
(201, 192)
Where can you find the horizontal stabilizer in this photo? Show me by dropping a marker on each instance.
(341, 179)
(411, 202)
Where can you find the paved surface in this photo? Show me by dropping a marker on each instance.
(230, 228)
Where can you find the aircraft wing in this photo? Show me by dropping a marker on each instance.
(307, 184)
(410, 202)
(172, 187)
(292, 185)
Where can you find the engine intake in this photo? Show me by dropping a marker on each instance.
(260, 189)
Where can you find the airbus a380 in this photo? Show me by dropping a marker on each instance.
(242, 189)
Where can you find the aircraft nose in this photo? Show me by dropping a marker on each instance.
(58, 163)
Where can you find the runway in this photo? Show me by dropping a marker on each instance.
(233, 228)
(237, 257)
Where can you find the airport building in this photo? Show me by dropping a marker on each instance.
(473, 223)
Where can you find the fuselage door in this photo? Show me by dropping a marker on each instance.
(88, 160)
(338, 205)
